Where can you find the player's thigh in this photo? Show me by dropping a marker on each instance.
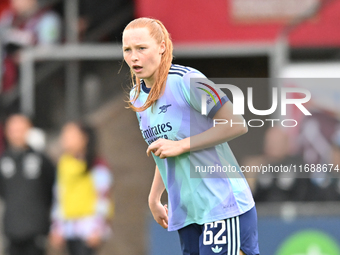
(189, 237)
(249, 232)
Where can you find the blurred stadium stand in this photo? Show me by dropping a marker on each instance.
(85, 77)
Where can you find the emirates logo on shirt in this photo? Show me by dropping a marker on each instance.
(151, 134)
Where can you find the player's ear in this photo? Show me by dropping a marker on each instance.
(162, 47)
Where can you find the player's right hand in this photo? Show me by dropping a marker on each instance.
(160, 213)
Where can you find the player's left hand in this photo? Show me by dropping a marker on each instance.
(164, 148)
(160, 213)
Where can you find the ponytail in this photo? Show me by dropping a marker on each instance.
(91, 152)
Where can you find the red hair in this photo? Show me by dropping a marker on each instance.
(159, 33)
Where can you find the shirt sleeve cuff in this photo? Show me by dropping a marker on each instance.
(217, 106)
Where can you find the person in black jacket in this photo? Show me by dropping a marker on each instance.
(26, 187)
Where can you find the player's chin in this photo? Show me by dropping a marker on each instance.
(140, 76)
(144, 74)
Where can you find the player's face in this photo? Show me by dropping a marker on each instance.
(142, 53)
(17, 128)
(72, 139)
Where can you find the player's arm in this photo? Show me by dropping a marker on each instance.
(159, 212)
(215, 135)
(220, 133)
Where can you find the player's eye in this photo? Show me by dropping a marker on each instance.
(142, 48)
(127, 50)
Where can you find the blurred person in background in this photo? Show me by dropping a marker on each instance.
(2, 140)
(335, 160)
(316, 139)
(26, 188)
(24, 24)
(336, 149)
(281, 186)
(83, 207)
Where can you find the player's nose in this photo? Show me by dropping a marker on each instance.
(134, 56)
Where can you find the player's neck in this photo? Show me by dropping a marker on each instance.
(150, 81)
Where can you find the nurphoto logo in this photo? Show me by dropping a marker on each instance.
(279, 97)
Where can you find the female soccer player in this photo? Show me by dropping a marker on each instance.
(212, 215)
